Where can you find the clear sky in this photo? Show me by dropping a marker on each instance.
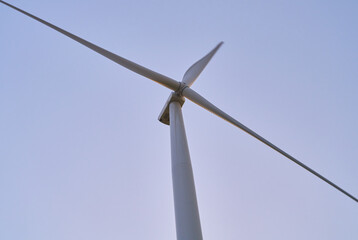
(83, 156)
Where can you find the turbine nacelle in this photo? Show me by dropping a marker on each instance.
(164, 116)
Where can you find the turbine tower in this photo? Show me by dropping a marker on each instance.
(186, 207)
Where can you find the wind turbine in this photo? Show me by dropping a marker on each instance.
(186, 210)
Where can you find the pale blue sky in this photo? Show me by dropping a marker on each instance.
(83, 156)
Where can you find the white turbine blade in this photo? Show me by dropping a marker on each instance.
(194, 71)
(201, 101)
(157, 77)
